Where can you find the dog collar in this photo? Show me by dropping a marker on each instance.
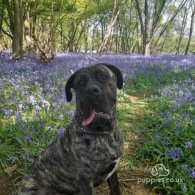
(83, 129)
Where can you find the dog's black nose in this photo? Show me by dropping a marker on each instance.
(93, 90)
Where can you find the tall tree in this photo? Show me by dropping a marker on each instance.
(115, 13)
(191, 27)
(146, 19)
(17, 29)
(149, 21)
(141, 26)
(170, 20)
(182, 28)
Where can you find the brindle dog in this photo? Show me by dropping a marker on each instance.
(88, 152)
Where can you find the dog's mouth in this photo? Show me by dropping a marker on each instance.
(95, 116)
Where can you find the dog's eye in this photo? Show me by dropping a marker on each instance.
(83, 80)
(102, 77)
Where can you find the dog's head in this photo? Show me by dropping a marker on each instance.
(96, 91)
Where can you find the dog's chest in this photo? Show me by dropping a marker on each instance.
(99, 154)
(102, 148)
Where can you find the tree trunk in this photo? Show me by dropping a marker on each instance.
(181, 5)
(52, 32)
(115, 13)
(27, 34)
(181, 34)
(18, 30)
(191, 29)
(2, 14)
(146, 41)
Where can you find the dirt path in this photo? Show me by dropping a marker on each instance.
(7, 177)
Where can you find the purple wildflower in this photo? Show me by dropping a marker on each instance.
(46, 104)
(174, 153)
(32, 100)
(61, 116)
(20, 106)
(177, 129)
(18, 118)
(188, 144)
(71, 112)
(28, 139)
(8, 113)
(60, 131)
(54, 104)
(178, 126)
(37, 108)
(191, 172)
(62, 101)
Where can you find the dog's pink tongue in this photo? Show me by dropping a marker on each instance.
(89, 119)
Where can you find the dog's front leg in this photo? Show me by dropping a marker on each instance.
(114, 184)
(85, 185)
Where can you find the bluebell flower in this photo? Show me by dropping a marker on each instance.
(20, 106)
(46, 104)
(177, 129)
(54, 104)
(27, 138)
(18, 118)
(193, 174)
(188, 144)
(61, 116)
(62, 101)
(71, 112)
(32, 100)
(8, 113)
(37, 107)
(60, 131)
(174, 153)
(166, 120)
(178, 126)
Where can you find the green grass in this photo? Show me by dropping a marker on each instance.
(162, 129)
(150, 82)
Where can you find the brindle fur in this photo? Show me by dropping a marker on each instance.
(82, 157)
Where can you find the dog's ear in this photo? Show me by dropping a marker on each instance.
(117, 73)
(69, 85)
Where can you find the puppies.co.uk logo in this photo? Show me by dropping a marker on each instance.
(159, 170)
(160, 174)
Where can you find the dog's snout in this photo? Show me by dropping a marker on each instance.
(93, 90)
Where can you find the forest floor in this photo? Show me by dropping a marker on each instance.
(130, 117)
(155, 113)
(129, 173)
